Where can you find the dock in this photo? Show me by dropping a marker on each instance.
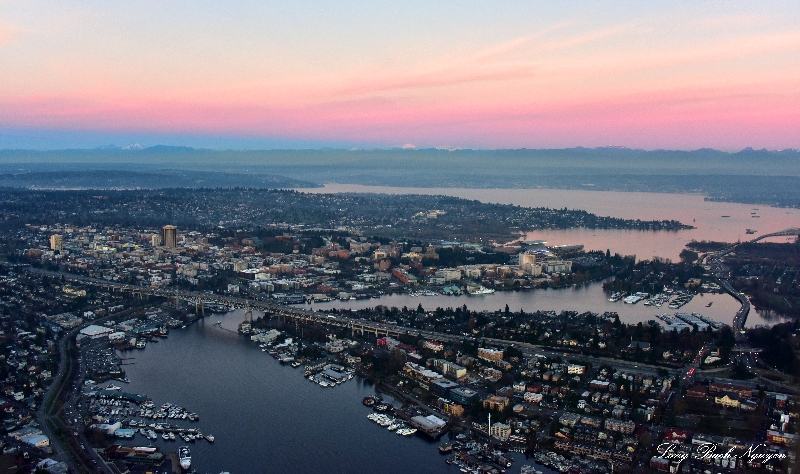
(176, 463)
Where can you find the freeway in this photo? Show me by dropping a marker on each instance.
(721, 271)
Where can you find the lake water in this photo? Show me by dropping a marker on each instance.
(714, 221)
(588, 297)
(690, 209)
(265, 416)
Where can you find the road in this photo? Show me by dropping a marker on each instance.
(341, 321)
(49, 413)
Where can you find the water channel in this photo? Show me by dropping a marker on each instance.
(267, 418)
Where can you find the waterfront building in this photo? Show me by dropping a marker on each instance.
(420, 373)
(169, 236)
(500, 431)
(430, 425)
(95, 332)
(56, 242)
(558, 266)
(449, 274)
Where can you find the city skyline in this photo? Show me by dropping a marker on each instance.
(677, 76)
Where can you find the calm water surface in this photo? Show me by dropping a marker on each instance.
(265, 416)
(690, 209)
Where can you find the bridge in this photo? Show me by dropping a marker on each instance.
(713, 259)
(781, 233)
(281, 312)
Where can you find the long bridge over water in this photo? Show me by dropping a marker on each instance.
(782, 233)
(713, 259)
(287, 313)
(361, 326)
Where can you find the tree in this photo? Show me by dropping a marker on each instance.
(646, 439)
(681, 405)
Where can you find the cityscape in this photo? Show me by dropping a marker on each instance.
(341, 238)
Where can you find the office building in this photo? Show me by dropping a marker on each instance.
(169, 236)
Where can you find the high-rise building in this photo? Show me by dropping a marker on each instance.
(57, 242)
(169, 236)
(155, 240)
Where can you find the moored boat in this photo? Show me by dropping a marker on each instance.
(185, 457)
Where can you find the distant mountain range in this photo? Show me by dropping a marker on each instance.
(757, 176)
(113, 179)
(579, 149)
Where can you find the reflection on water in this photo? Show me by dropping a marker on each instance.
(690, 209)
(586, 297)
(265, 416)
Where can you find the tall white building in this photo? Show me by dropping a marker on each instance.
(57, 242)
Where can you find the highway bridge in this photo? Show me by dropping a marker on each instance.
(286, 313)
(782, 233)
(714, 261)
(354, 325)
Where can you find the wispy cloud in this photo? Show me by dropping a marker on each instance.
(513, 59)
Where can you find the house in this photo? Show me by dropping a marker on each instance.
(634, 345)
(495, 402)
(727, 399)
(715, 387)
(490, 355)
(697, 391)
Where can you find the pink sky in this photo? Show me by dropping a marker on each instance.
(722, 75)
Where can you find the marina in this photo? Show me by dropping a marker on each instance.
(278, 414)
(586, 297)
(280, 410)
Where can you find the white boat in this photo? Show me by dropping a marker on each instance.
(185, 457)
(210, 438)
(482, 291)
